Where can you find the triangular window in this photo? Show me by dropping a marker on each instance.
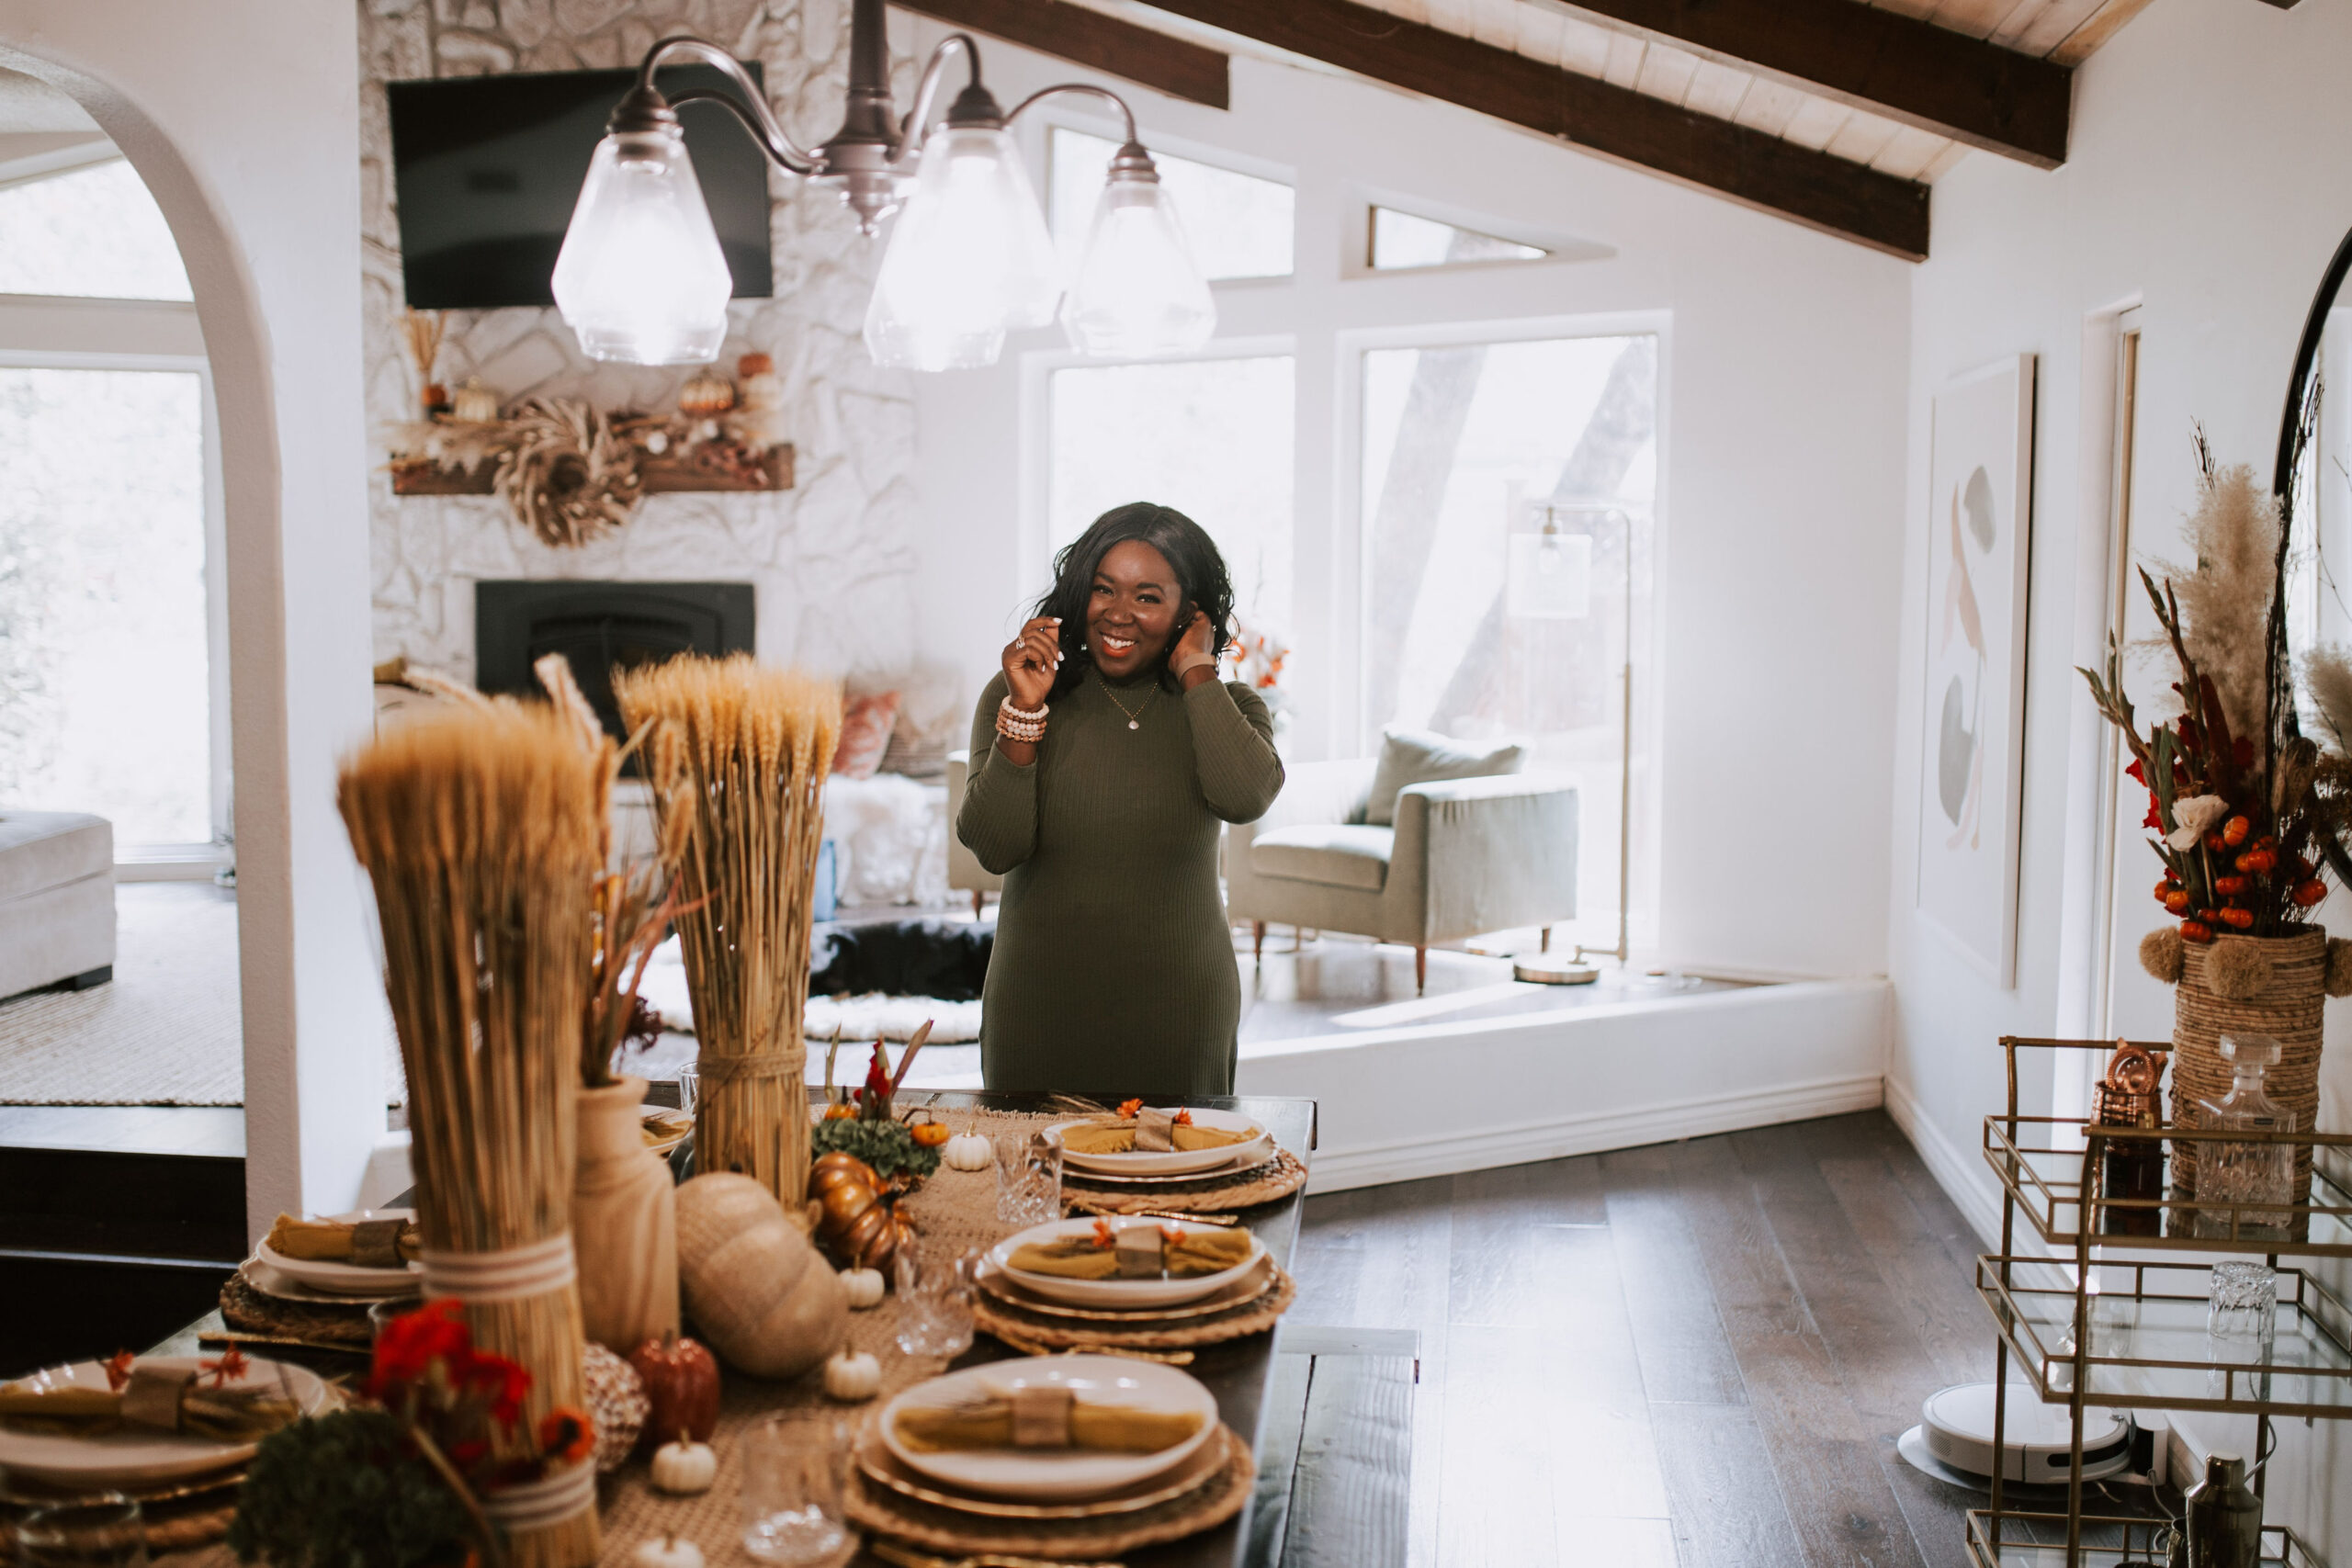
(1398, 241)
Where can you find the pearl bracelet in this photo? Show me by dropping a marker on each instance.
(1022, 724)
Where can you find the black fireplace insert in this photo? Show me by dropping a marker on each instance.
(601, 627)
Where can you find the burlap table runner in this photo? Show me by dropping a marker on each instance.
(953, 1210)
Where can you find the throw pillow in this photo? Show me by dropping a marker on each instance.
(865, 734)
(1420, 756)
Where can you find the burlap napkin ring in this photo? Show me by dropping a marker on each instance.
(1041, 1416)
(376, 1244)
(1155, 1131)
(151, 1397)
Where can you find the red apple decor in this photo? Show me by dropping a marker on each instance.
(681, 1379)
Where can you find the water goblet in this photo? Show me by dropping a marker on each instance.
(792, 1492)
(103, 1529)
(689, 1086)
(935, 1291)
(1028, 1178)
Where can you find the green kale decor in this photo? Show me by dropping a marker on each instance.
(887, 1146)
(345, 1490)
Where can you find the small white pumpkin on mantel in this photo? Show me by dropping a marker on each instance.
(967, 1151)
(864, 1287)
(853, 1376)
(666, 1552)
(684, 1469)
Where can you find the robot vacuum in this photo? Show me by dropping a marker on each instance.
(1955, 1438)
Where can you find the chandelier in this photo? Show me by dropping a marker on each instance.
(641, 279)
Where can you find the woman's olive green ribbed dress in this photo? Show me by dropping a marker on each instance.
(1113, 972)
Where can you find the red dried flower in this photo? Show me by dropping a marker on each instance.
(1103, 1235)
(1130, 1109)
(231, 1363)
(119, 1367)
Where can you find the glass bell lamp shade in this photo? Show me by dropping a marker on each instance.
(969, 260)
(641, 278)
(1136, 290)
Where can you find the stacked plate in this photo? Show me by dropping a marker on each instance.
(320, 1282)
(1173, 1167)
(1049, 1483)
(1136, 1300)
(151, 1466)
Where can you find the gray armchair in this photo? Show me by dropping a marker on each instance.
(1465, 856)
(965, 871)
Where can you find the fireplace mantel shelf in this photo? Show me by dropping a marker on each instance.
(422, 477)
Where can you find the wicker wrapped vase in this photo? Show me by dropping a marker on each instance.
(2288, 1006)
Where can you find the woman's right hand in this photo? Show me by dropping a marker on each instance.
(1030, 661)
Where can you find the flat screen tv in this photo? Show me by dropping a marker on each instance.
(487, 170)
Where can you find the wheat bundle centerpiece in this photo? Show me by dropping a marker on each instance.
(480, 828)
(738, 756)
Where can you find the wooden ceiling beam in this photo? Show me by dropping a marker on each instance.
(1177, 67)
(1834, 195)
(1978, 93)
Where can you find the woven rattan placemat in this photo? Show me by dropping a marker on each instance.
(252, 1311)
(936, 1529)
(993, 1316)
(1287, 1174)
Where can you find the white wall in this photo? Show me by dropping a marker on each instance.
(2202, 182)
(242, 117)
(1780, 497)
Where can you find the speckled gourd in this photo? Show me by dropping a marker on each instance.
(764, 1298)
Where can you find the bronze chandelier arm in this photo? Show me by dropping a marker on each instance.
(752, 110)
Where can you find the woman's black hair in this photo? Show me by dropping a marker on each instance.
(1201, 578)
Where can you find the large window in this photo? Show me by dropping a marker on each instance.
(1210, 438)
(110, 676)
(1506, 505)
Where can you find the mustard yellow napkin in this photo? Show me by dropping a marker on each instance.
(329, 1241)
(1119, 1137)
(989, 1424)
(1188, 1254)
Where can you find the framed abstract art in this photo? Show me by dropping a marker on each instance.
(1979, 507)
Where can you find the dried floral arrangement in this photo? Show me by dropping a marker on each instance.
(570, 472)
(864, 1121)
(1258, 656)
(736, 759)
(481, 829)
(2248, 811)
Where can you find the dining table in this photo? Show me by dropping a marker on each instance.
(1239, 1374)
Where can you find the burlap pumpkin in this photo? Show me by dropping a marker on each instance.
(759, 1292)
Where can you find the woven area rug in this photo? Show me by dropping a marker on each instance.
(165, 1031)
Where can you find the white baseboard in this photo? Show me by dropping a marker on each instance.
(1966, 1180)
(1559, 1139)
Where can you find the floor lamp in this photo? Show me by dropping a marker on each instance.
(1537, 588)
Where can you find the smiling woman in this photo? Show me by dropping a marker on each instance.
(1105, 758)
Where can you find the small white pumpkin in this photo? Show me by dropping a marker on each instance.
(684, 1469)
(474, 402)
(666, 1552)
(969, 1151)
(853, 1376)
(864, 1286)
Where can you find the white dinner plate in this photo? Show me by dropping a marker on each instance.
(1055, 1475)
(349, 1279)
(270, 1282)
(1174, 1162)
(1116, 1293)
(140, 1458)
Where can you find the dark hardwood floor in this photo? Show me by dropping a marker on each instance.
(1693, 1355)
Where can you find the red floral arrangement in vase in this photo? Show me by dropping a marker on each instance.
(463, 1405)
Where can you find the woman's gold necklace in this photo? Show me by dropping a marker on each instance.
(1135, 718)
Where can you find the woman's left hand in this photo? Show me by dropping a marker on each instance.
(1191, 660)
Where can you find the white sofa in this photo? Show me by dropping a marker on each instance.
(56, 900)
(1464, 856)
(965, 871)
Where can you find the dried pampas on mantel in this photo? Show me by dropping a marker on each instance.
(481, 829)
(738, 758)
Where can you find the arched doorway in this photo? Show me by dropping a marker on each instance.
(113, 637)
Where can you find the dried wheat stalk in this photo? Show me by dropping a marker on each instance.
(738, 762)
(479, 828)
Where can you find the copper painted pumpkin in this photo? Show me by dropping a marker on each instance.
(854, 1221)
